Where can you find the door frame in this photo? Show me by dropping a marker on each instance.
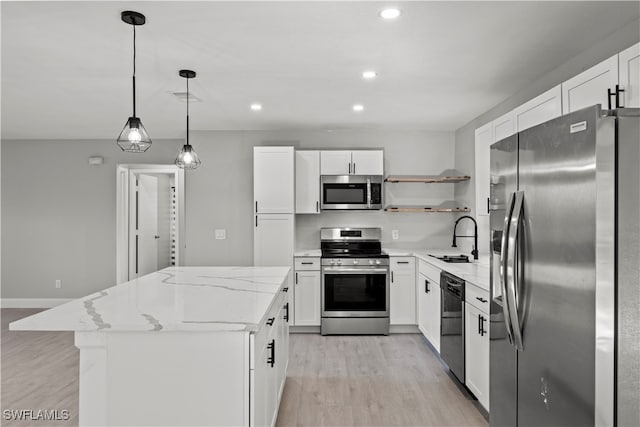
(124, 174)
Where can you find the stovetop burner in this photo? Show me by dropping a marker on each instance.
(351, 243)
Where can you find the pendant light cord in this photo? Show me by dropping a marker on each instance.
(134, 70)
(187, 111)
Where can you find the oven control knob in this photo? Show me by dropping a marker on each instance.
(339, 262)
(370, 262)
(355, 262)
(332, 262)
(377, 262)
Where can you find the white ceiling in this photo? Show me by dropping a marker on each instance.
(66, 66)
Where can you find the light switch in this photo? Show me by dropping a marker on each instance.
(221, 234)
(395, 234)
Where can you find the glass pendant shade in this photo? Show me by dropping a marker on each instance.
(188, 158)
(134, 137)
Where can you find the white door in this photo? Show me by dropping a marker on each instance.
(335, 162)
(402, 296)
(422, 289)
(307, 298)
(477, 353)
(540, 109)
(591, 86)
(147, 247)
(367, 162)
(629, 64)
(273, 179)
(433, 313)
(483, 140)
(307, 182)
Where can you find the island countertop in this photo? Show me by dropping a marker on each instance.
(172, 299)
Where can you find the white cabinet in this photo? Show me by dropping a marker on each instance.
(483, 141)
(504, 126)
(367, 162)
(273, 179)
(307, 182)
(629, 69)
(540, 109)
(307, 291)
(402, 296)
(268, 365)
(273, 240)
(477, 343)
(428, 288)
(591, 86)
(360, 162)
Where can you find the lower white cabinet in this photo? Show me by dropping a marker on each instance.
(402, 296)
(307, 291)
(476, 326)
(268, 369)
(428, 288)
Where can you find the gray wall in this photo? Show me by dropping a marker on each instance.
(616, 42)
(59, 214)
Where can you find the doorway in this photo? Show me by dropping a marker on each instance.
(150, 219)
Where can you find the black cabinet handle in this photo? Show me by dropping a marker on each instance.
(285, 289)
(256, 206)
(296, 277)
(271, 360)
(426, 286)
(618, 103)
(256, 220)
(481, 329)
(403, 262)
(349, 167)
(609, 95)
(354, 168)
(306, 263)
(270, 321)
(317, 206)
(286, 314)
(481, 299)
(392, 277)
(488, 204)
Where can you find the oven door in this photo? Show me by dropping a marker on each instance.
(355, 292)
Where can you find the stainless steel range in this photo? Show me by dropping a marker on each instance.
(355, 282)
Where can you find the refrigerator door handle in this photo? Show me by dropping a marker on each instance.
(504, 243)
(511, 270)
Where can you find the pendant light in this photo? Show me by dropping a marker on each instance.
(134, 137)
(187, 159)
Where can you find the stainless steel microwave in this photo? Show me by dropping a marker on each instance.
(351, 191)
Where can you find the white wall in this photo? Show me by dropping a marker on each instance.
(464, 137)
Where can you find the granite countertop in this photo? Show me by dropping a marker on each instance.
(173, 299)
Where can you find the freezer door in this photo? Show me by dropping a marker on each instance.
(503, 356)
(557, 254)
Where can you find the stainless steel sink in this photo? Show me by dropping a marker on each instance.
(452, 258)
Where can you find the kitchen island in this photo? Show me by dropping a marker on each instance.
(200, 346)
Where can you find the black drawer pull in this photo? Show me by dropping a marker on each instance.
(482, 300)
(270, 321)
(285, 289)
(286, 314)
(306, 263)
(403, 262)
(271, 360)
(426, 286)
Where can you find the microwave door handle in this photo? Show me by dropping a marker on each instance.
(512, 270)
(504, 243)
(368, 191)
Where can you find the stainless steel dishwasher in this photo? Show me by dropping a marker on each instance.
(452, 323)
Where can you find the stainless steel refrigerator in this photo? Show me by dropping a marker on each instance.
(565, 300)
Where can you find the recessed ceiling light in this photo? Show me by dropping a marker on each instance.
(369, 75)
(256, 107)
(358, 107)
(390, 13)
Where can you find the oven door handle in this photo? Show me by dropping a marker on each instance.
(355, 270)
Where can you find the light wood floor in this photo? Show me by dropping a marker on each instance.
(331, 381)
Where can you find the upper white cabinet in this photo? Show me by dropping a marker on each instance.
(360, 162)
(307, 182)
(629, 69)
(367, 162)
(504, 126)
(591, 86)
(273, 179)
(484, 139)
(402, 297)
(540, 109)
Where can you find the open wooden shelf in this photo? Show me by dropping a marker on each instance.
(425, 209)
(427, 178)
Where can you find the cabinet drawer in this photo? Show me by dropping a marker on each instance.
(477, 297)
(403, 263)
(307, 263)
(430, 271)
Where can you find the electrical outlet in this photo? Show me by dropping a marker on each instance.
(221, 234)
(58, 283)
(395, 234)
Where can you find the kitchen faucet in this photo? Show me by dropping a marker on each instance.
(474, 252)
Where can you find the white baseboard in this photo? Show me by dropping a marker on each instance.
(32, 302)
